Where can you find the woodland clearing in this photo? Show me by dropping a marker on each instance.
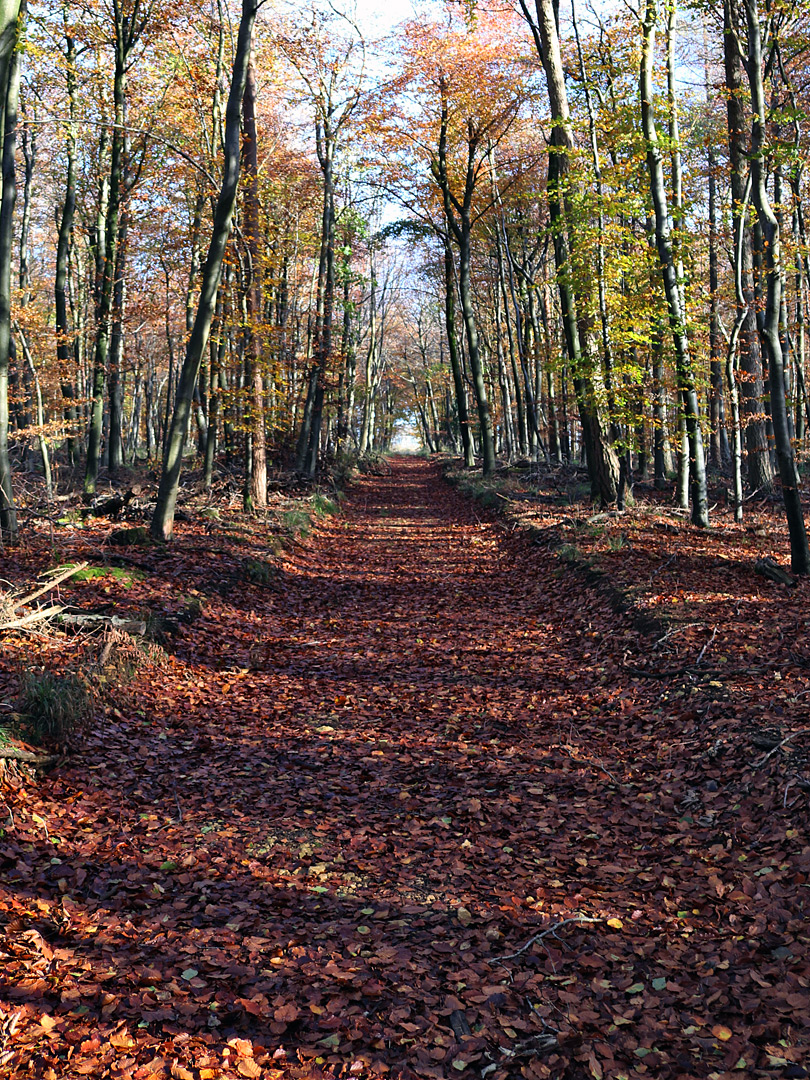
(418, 801)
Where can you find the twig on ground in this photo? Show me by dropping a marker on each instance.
(779, 745)
(663, 566)
(27, 620)
(785, 803)
(676, 630)
(705, 647)
(177, 802)
(549, 931)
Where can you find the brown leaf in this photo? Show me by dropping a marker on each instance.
(286, 1014)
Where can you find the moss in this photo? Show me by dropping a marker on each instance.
(124, 576)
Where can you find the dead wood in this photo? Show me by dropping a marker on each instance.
(95, 622)
(771, 569)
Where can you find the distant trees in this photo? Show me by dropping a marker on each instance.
(581, 249)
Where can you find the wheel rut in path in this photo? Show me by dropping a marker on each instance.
(348, 803)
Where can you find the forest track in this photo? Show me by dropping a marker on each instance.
(321, 842)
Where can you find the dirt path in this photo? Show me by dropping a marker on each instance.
(323, 839)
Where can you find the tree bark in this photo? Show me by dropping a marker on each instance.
(760, 472)
(603, 465)
(672, 284)
(452, 349)
(127, 32)
(163, 518)
(772, 264)
(10, 13)
(64, 354)
(257, 480)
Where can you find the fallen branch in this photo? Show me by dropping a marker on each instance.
(28, 620)
(93, 622)
(14, 753)
(663, 566)
(705, 647)
(768, 568)
(549, 931)
(779, 745)
(676, 630)
(52, 584)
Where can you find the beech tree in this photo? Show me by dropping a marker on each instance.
(673, 281)
(10, 15)
(603, 465)
(163, 518)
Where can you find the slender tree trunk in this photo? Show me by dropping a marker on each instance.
(476, 367)
(603, 465)
(110, 227)
(64, 354)
(672, 284)
(772, 258)
(458, 219)
(163, 519)
(10, 13)
(116, 351)
(760, 472)
(453, 352)
(257, 487)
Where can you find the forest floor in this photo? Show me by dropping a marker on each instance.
(417, 802)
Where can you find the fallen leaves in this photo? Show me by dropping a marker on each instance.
(393, 830)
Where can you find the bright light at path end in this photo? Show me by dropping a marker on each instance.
(405, 443)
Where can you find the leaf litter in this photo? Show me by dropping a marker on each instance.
(406, 813)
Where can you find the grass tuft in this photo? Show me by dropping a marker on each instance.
(296, 523)
(52, 707)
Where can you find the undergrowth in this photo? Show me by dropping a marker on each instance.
(52, 707)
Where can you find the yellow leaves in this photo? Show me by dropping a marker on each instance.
(721, 1032)
(616, 924)
(122, 1040)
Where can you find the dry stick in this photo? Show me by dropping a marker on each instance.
(677, 630)
(544, 933)
(663, 566)
(27, 620)
(705, 647)
(51, 585)
(13, 753)
(778, 747)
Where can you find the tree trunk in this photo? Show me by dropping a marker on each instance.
(10, 12)
(163, 519)
(257, 487)
(455, 359)
(115, 443)
(65, 356)
(760, 473)
(771, 233)
(603, 465)
(672, 284)
(108, 255)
